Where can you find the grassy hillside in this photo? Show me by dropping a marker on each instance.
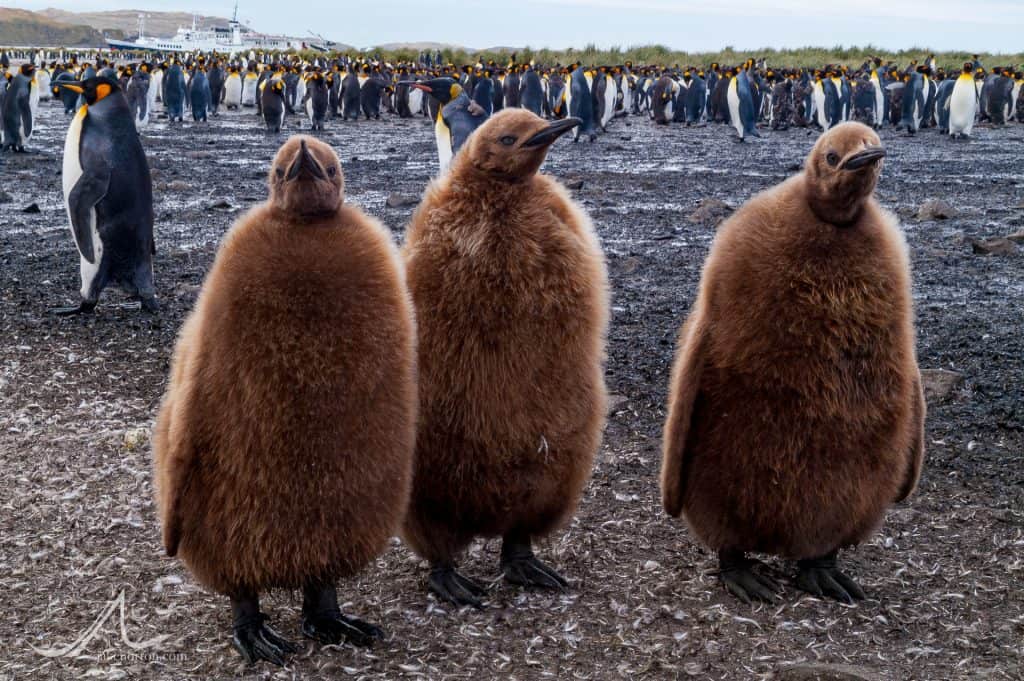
(162, 24)
(21, 27)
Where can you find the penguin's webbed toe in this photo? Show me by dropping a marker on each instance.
(333, 627)
(820, 577)
(447, 584)
(531, 572)
(85, 307)
(255, 641)
(739, 578)
(521, 567)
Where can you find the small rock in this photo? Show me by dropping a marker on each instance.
(997, 246)
(181, 185)
(5, 197)
(630, 265)
(575, 184)
(1017, 237)
(222, 204)
(935, 209)
(615, 402)
(710, 211)
(199, 155)
(939, 383)
(31, 208)
(826, 672)
(135, 438)
(402, 200)
(652, 565)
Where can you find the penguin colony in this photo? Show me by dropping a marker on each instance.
(747, 97)
(328, 391)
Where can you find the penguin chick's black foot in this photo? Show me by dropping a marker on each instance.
(252, 638)
(323, 622)
(85, 307)
(521, 567)
(447, 584)
(737, 574)
(820, 577)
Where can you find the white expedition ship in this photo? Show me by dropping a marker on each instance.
(233, 39)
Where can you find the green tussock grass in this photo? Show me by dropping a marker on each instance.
(659, 55)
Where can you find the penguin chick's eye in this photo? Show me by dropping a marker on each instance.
(508, 140)
(332, 171)
(832, 158)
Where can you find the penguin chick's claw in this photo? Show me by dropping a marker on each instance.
(447, 584)
(742, 581)
(331, 627)
(256, 641)
(521, 567)
(84, 307)
(820, 577)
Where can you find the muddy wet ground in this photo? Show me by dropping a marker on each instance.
(78, 397)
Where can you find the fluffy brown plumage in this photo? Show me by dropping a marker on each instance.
(795, 410)
(283, 449)
(511, 296)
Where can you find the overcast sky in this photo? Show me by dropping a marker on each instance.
(969, 25)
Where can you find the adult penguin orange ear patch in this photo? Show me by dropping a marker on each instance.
(102, 90)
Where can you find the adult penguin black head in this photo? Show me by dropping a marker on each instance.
(513, 143)
(95, 89)
(443, 90)
(842, 171)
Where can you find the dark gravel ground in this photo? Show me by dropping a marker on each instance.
(78, 397)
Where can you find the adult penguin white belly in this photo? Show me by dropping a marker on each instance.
(879, 99)
(963, 106)
(611, 93)
(233, 90)
(733, 99)
(415, 101)
(43, 82)
(818, 98)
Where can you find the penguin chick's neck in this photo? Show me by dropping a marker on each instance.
(838, 203)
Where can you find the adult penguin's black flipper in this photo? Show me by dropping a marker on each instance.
(87, 192)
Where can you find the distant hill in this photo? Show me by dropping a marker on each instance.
(23, 28)
(421, 46)
(159, 24)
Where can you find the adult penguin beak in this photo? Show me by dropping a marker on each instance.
(554, 130)
(421, 86)
(863, 158)
(305, 165)
(74, 88)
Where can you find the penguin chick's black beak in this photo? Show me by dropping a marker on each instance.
(864, 158)
(305, 165)
(554, 130)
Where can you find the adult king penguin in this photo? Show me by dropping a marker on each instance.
(963, 104)
(17, 109)
(511, 295)
(741, 105)
(796, 415)
(457, 117)
(108, 193)
(283, 447)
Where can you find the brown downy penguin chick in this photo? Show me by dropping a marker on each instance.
(283, 448)
(796, 415)
(511, 296)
